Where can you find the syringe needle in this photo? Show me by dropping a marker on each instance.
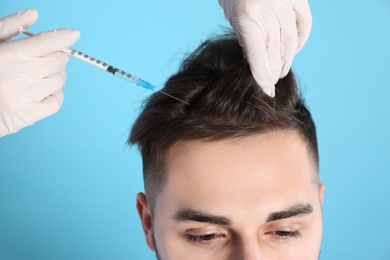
(108, 68)
(172, 96)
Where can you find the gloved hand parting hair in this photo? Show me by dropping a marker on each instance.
(271, 32)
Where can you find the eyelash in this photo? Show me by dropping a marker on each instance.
(285, 235)
(210, 239)
(207, 240)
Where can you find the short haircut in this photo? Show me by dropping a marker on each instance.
(224, 102)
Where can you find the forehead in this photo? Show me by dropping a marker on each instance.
(270, 169)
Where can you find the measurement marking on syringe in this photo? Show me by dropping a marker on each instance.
(108, 68)
(97, 63)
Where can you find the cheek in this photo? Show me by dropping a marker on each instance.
(299, 256)
(168, 242)
(306, 253)
(161, 240)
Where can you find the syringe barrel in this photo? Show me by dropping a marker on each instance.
(101, 65)
(122, 74)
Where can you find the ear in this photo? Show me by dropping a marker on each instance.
(146, 219)
(321, 190)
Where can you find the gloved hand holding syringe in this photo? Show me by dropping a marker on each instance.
(108, 68)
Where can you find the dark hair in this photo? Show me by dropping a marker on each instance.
(224, 102)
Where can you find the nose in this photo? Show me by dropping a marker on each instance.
(248, 250)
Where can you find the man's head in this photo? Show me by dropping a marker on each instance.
(234, 174)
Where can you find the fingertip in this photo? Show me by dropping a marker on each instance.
(284, 73)
(266, 84)
(51, 41)
(286, 69)
(75, 34)
(269, 88)
(10, 25)
(270, 92)
(32, 12)
(55, 100)
(27, 11)
(66, 37)
(275, 68)
(59, 98)
(27, 17)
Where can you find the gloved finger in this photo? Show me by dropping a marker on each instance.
(10, 25)
(289, 36)
(42, 67)
(54, 101)
(254, 43)
(48, 106)
(44, 43)
(29, 112)
(304, 21)
(274, 48)
(38, 89)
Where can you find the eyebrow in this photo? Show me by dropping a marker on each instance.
(296, 210)
(198, 216)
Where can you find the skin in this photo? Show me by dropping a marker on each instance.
(251, 198)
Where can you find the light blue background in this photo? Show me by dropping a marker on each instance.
(68, 183)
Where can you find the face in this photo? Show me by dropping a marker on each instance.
(250, 198)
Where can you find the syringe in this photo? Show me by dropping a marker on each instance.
(108, 68)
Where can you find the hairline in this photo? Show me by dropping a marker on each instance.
(162, 165)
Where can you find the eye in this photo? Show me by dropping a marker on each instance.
(281, 235)
(206, 240)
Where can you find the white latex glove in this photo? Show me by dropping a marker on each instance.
(271, 32)
(32, 72)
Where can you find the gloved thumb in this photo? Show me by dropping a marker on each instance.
(9, 25)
